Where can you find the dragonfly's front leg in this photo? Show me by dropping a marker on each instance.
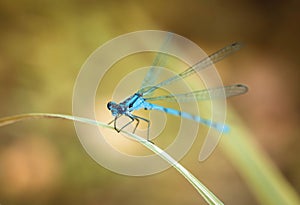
(119, 130)
(128, 123)
(112, 121)
(115, 123)
(133, 117)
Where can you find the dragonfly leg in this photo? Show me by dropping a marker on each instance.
(137, 124)
(133, 117)
(128, 123)
(111, 121)
(115, 123)
(148, 125)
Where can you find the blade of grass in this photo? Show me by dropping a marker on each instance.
(262, 176)
(208, 196)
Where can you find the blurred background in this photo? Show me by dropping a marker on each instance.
(43, 44)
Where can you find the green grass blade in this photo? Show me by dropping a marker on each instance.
(209, 197)
(263, 178)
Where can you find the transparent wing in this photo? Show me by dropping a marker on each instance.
(153, 73)
(215, 57)
(208, 94)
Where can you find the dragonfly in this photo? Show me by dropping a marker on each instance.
(142, 99)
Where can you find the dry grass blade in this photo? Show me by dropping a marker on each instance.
(209, 197)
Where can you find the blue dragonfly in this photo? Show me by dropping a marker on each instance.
(143, 97)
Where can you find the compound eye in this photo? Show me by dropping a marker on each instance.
(109, 105)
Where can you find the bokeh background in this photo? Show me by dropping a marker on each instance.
(42, 47)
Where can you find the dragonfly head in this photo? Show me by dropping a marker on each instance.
(113, 107)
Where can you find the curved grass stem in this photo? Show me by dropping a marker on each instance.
(208, 196)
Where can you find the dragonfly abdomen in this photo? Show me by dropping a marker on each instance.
(218, 126)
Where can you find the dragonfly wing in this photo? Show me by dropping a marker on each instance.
(208, 94)
(159, 60)
(215, 57)
(206, 62)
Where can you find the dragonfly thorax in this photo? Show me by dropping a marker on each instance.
(115, 108)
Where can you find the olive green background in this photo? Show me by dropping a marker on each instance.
(42, 47)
